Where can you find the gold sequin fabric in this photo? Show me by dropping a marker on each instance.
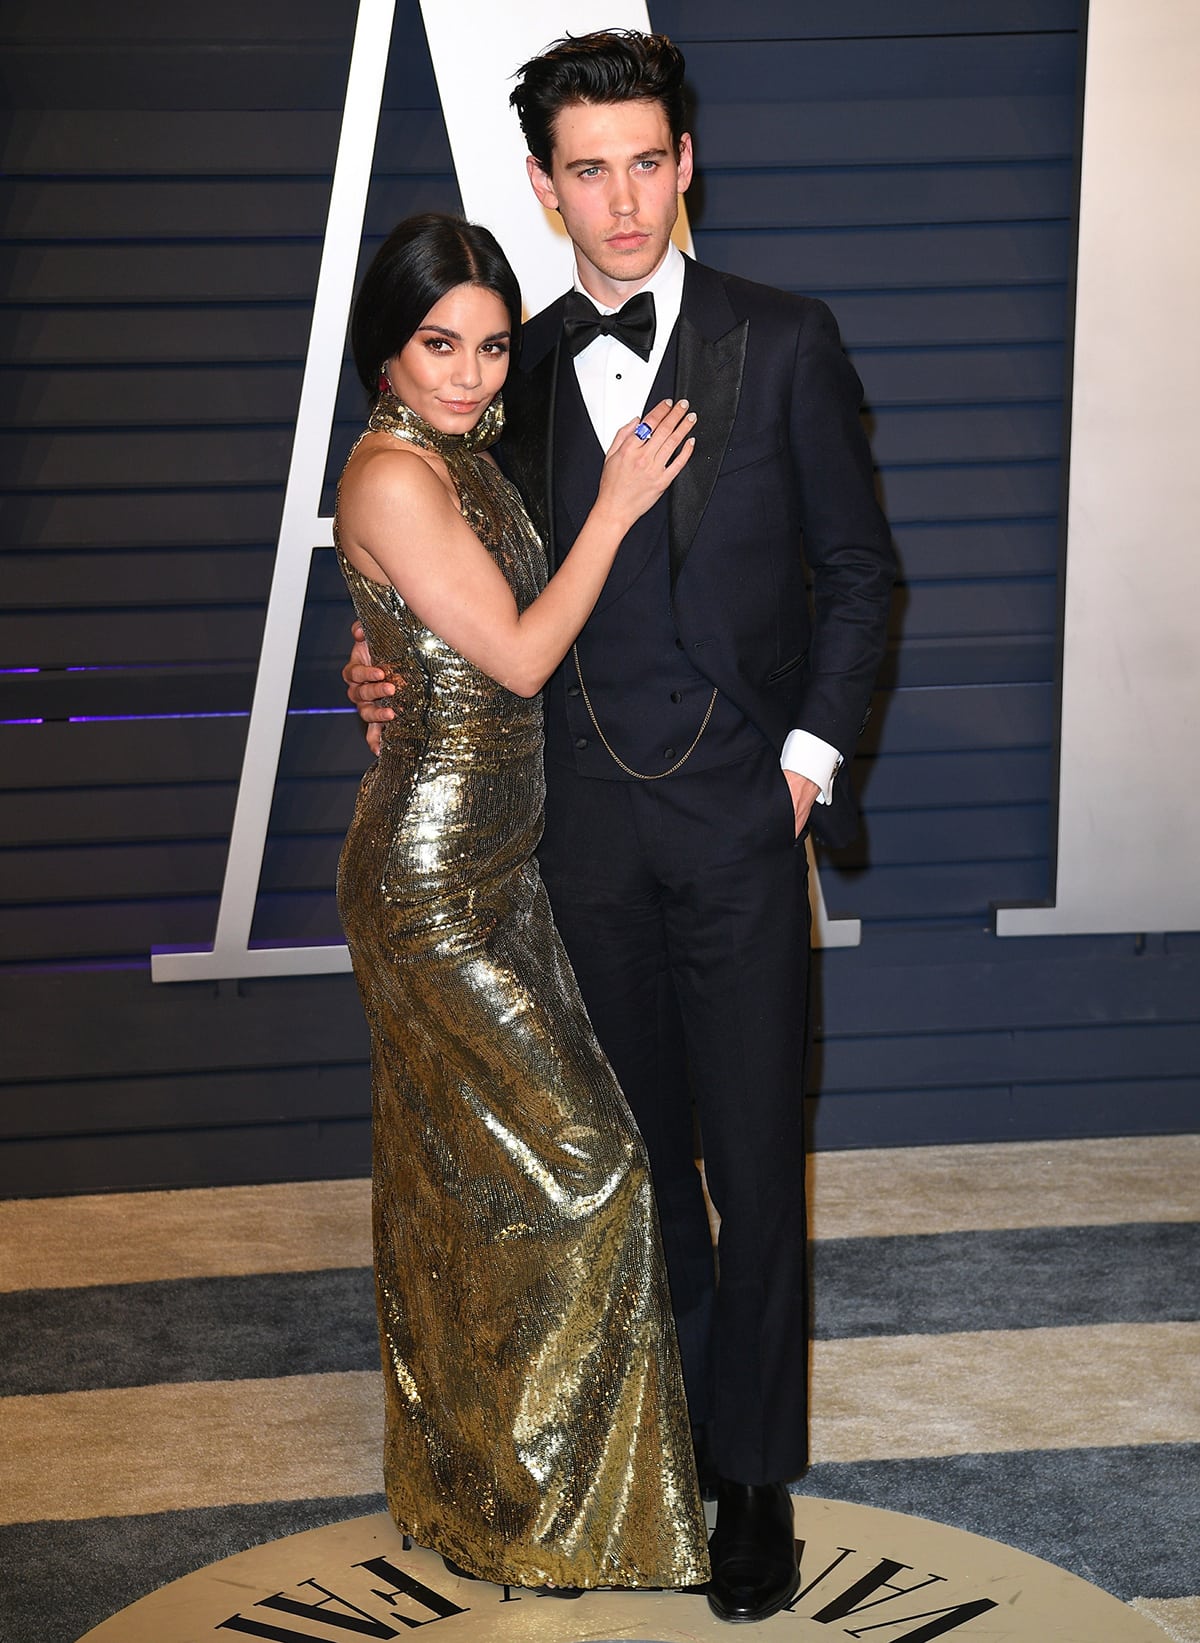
(536, 1429)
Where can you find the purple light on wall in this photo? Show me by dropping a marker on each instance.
(140, 718)
(22, 721)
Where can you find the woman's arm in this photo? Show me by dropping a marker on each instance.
(399, 523)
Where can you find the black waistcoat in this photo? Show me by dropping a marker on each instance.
(647, 697)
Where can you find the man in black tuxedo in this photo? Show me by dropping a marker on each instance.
(694, 733)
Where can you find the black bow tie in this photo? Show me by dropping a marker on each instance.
(633, 324)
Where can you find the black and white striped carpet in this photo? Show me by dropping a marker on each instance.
(1006, 1342)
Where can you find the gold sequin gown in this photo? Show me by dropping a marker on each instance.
(536, 1429)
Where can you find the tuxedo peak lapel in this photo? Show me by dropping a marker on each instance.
(528, 445)
(708, 374)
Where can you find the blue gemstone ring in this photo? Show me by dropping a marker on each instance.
(643, 431)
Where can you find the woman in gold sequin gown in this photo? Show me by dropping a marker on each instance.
(536, 1433)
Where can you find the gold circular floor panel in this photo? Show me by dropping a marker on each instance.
(865, 1574)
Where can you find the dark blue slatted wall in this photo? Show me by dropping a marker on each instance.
(168, 176)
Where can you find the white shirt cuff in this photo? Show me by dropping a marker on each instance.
(807, 755)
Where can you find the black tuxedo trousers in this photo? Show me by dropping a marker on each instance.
(683, 905)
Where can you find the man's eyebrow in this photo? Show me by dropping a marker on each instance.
(646, 154)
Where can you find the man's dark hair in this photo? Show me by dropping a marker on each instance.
(420, 261)
(610, 66)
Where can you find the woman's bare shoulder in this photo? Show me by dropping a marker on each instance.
(383, 470)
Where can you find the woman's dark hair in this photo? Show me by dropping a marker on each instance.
(610, 66)
(421, 259)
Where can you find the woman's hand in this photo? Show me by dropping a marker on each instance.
(638, 471)
(369, 688)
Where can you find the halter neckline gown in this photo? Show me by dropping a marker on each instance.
(536, 1428)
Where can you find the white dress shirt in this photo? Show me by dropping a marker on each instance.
(615, 384)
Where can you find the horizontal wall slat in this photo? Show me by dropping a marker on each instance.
(1003, 491)
(161, 273)
(950, 551)
(231, 1098)
(278, 329)
(127, 1025)
(133, 929)
(858, 130)
(275, 332)
(26, 21)
(183, 395)
(249, 393)
(202, 67)
(695, 20)
(979, 548)
(167, 750)
(933, 890)
(996, 716)
(188, 863)
(924, 258)
(193, 635)
(44, 638)
(829, 70)
(169, 692)
(205, 575)
(951, 720)
(200, 810)
(1079, 1054)
(849, 260)
(198, 1157)
(256, 456)
(236, 142)
(981, 990)
(212, 687)
(948, 376)
(186, 866)
(880, 195)
(282, 208)
(966, 433)
(123, 1024)
(887, 318)
(1015, 775)
(129, 518)
(919, 664)
(1047, 1112)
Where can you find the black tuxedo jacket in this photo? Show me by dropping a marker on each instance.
(781, 476)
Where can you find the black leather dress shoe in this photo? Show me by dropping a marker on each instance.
(753, 1552)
